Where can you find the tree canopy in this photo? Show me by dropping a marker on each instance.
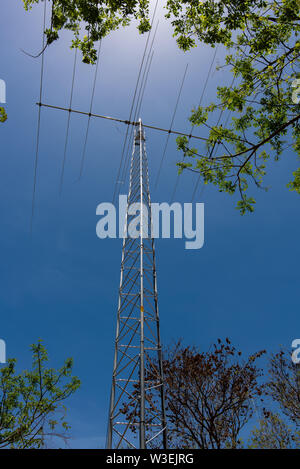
(263, 53)
(98, 17)
(212, 396)
(208, 394)
(31, 402)
(261, 105)
(279, 429)
(274, 433)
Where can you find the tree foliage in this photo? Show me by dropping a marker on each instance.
(209, 396)
(284, 385)
(98, 18)
(263, 54)
(31, 403)
(262, 102)
(274, 433)
(280, 431)
(212, 395)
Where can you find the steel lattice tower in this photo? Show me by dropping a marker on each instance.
(137, 409)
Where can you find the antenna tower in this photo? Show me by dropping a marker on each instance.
(137, 417)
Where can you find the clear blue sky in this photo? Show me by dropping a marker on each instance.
(61, 284)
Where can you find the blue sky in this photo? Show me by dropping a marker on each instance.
(61, 284)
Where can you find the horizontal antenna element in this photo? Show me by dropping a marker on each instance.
(127, 122)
